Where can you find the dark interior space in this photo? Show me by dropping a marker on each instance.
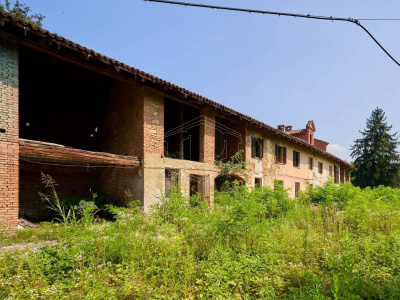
(60, 102)
(228, 139)
(181, 131)
(65, 104)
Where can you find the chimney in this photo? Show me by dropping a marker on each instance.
(288, 128)
(281, 127)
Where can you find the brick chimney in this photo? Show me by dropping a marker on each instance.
(281, 127)
(289, 128)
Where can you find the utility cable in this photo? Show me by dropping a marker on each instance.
(265, 12)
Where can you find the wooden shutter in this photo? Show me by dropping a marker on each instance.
(294, 158)
(253, 147)
(284, 155)
(276, 153)
(298, 159)
(261, 148)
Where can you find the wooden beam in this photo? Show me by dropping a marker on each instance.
(107, 70)
(47, 152)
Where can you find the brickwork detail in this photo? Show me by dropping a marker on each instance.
(207, 136)
(9, 147)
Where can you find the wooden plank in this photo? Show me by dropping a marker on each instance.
(48, 152)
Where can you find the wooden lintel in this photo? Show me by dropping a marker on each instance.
(47, 152)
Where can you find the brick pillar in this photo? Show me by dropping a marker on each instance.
(153, 141)
(9, 147)
(207, 136)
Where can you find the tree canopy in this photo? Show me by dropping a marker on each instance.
(22, 11)
(376, 155)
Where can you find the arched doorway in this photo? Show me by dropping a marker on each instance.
(224, 182)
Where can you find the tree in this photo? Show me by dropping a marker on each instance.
(22, 11)
(376, 156)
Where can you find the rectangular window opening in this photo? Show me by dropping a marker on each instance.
(296, 189)
(296, 159)
(171, 181)
(257, 147)
(311, 163)
(257, 182)
(280, 154)
(320, 167)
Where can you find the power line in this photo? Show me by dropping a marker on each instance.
(265, 12)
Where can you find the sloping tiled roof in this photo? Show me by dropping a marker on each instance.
(297, 131)
(63, 42)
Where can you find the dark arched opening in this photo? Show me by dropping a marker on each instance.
(224, 182)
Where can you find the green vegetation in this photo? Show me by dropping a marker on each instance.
(22, 11)
(376, 156)
(333, 242)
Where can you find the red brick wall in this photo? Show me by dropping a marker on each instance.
(9, 148)
(70, 181)
(123, 135)
(320, 144)
(207, 136)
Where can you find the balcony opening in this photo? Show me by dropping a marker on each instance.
(181, 131)
(71, 118)
(228, 139)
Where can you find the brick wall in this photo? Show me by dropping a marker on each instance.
(9, 147)
(123, 135)
(70, 182)
(153, 141)
(207, 136)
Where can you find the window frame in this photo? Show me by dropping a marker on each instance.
(257, 147)
(311, 163)
(260, 182)
(280, 154)
(296, 159)
(168, 189)
(320, 167)
(296, 189)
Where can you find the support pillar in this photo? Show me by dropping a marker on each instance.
(9, 135)
(207, 136)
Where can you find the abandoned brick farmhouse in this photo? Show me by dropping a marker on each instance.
(95, 123)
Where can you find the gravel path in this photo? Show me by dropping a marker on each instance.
(29, 246)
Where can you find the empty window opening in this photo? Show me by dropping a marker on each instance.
(320, 167)
(257, 182)
(257, 147)
(296, 159)
(181, 131)
(200, 185)
(61, 102)
(171, 181)
(311, 163)
(280, 154)
(296, 189)
(228, 139)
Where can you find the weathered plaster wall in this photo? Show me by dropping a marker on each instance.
(269, 170)
(9, 133)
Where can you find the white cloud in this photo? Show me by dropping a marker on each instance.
(339, 151)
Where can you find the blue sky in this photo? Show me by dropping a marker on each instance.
(278, 70)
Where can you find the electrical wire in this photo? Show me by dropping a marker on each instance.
(265, 12)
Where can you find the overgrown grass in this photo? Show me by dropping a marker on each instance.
(333, 242)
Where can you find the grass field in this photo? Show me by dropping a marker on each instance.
(333, 242)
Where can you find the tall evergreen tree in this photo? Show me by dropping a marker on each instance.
(376, 156)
